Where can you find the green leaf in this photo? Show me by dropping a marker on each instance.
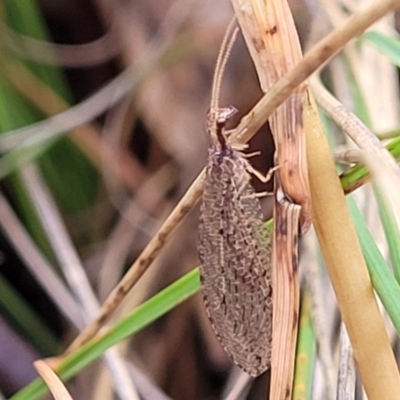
(143, 316)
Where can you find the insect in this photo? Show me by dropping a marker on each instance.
(234, 244)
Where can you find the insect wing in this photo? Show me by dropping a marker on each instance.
(235, 256)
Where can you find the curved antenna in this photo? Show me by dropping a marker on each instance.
(223, 55)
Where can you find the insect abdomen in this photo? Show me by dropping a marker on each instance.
(235, 257)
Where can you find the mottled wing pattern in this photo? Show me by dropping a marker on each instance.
(235, 256)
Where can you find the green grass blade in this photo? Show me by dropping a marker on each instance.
(356, 176)
(305, 353)
(382, 278)
(387, 45)
(26, 320)
(391, 229)
(141, 317)
(60, 162)
(360, 105)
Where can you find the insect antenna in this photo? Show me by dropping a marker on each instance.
(223, 55)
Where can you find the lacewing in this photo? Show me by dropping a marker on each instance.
(234, 244)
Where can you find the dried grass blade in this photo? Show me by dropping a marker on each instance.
(348, 273)
(53, 382)
(286, 296)
(346, 381)
(274, 45)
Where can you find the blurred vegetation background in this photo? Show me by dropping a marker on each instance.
(102, 114)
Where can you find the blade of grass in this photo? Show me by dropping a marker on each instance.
(141, 317)
(26, 320)
(382, 278)
(77, 190)
(15, 111)
(349, 275)
(391, 229)
(358, 98)
(387, 45)
(305, 352)
(356, 176)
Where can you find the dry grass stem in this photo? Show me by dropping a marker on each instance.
(53, 382)
(247, 128)
(272, 39)
(322, 311)
(321, 53)
(145, 259)
(286, 283)
(136, 215)
(241, 385)
(346, 382)
(373, 153)
(353, 127)
(88, 54)
(348, 272)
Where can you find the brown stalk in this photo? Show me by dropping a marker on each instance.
(272, 39)
(357, 131)
(53, 382)
(247, 128)
(348, 272)
(286, 290)
(321, 53)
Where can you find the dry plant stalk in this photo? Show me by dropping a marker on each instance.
(374, 155)
(234, 244)
(272, 39)
(247, 128)
(274, 46)
(347, 270)
(286, 298)
(53, 382)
